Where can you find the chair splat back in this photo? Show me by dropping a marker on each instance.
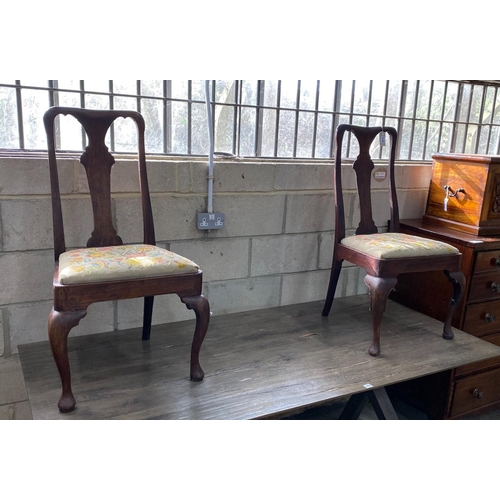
(97, 162)
(363, 166)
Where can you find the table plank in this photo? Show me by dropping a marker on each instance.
(267, 363)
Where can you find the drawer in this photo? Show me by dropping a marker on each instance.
(483, 318)
(487, 261)
(476, 391)
(485, 286)
(486, 364)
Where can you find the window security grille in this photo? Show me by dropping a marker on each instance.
(263, 118)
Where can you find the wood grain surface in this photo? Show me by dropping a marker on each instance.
(267, 363)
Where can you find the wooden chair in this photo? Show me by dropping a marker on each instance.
(386, 255)
(107, 269)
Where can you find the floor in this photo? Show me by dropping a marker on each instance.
(14, 403)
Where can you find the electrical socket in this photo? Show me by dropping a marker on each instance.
(215, 220)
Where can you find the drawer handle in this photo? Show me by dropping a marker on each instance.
(495, 287)
(497, 262)
(478, 394)
(489, 318)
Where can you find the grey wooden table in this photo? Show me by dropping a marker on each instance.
(268, 363)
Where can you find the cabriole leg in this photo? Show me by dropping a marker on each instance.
(379, 291)
(60, 324)
(201, 308)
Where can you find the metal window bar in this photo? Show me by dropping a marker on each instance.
(369, 103)
(490, 126)
(412, 129)
(336, 114)
(111, 106)
(259, 118)
(351, 116)
(19, 102)
(139, 93)
(167, 117)
(427, 124)
(296, 124)
(236, 116)
(277, 125)
(443, 108)
(315, 123)
(402, 105)
(469, 106)
(480, 124)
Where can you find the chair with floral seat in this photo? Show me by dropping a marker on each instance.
(108, 270)
(384, 256)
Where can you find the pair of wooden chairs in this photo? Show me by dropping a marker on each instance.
(109, 270)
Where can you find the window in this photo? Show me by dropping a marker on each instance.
(263, 118)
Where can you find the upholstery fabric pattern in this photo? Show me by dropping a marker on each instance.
(397, 245)
(86, 265)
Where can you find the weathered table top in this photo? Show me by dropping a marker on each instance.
(258, 364)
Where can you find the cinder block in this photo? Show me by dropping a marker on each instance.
(412, 203)
(311, 286)
(184, 177)
(219, 259)
(284, 254)
(78, 221)
(248, 215)
(174, 217)
(100, 318)
(198, 171)
(162, 176)
(26, 276)
(125, 176)
(244, 294)
(30, 176)
(381, 209)
(413, 176)
(26, 224)
(290, 176)
(349, 181)
(230, 176)
(28, 322)
(166, 309)
(307, 213)
(2, 332)
(304, 287)
(325, 250)
(351, 282)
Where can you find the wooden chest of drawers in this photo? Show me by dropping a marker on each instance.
(472, 388)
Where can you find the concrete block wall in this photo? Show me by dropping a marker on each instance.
(276, 248)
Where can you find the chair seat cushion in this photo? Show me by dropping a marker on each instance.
(97, 264)
(397, 246)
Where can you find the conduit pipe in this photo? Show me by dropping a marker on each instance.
(210, 176)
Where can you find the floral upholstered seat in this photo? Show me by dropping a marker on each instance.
(397, 245)
(95, 264)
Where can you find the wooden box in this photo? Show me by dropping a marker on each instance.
(473, 203)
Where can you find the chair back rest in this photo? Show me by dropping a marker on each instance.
(363, 166)
(97, 162)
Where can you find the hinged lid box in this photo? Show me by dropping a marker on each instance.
(465, 193)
